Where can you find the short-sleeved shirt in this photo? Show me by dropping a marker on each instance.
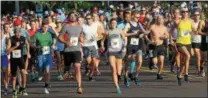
(73, 32)
(43, 40)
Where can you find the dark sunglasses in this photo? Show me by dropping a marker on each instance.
(88, 18)
(196, 14)
(185, 11)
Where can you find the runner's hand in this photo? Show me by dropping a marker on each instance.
(53, 46)
(124, 49)
(28, 55)
(17, 44)
(69, 44)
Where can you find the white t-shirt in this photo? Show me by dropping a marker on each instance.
(195, 38)
(89, 34)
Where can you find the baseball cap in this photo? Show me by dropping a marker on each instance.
(17, 22)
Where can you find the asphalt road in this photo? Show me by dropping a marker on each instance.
(103, 86)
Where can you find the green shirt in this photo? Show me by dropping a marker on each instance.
(42, 40)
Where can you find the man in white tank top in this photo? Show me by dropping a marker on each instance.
(90, 44)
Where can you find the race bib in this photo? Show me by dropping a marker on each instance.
(74, 41)
(185, 33)
(134, 41)
(115, 43)
(16, 54)
(206, 39)
(46, 50)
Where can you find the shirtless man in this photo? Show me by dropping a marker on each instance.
(157, 35)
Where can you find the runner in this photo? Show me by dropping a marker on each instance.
(17, 60)
(175, 60)
(33, 72)
(134, 51)
(59, 51)
(203, 26)
(183, 42)
(5, 67)
(196, 41)
(72, 52)
(157, 50)
(90, 30)
(116, 51)
(43, 43)
(99, 39)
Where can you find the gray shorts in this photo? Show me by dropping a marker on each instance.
(90, 51)
(119, 55)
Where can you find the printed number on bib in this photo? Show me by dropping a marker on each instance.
(206, 39)
(184, 33)
(115, 43)
(46, 50)
(134, 41)
(74, 41)
(16, 54)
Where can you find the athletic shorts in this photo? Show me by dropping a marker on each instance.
(72, 57)
(4, 61)
(134, 50)
(44, 61)
(90, 51)
(196, 45)
(155, 51)
(16, 62)
(181, 45)
(118, 55)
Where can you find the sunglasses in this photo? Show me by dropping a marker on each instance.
(185, 11)
(88, 18)
(196, 14)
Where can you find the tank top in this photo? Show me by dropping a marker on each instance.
(174, 28)
(114, 41)
(3, 45)
(184, 30)
(133, 40)
(195, 38)
(89, 33)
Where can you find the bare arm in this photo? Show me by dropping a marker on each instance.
(124, 37)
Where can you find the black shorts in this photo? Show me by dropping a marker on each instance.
(19, 62)
(155, 51)
(99, 43)
(196, 45)
(181, 45)
(204, 47)
(72, 57)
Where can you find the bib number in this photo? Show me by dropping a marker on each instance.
(185, 33)
(74, 41)
(115, 43)
(46, 50)
(134, 41)
(16, 54)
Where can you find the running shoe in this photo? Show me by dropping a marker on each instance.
(126, 82)
(60, 77)
(5, 92)
(159, 77)
(24, 93)
(186, 78)
(179, 81)
(79, 90)
(14, 94)
(118, 90)
(136, 81)
(91, 79)
(40, 78)
(46, 91)
(203, 73)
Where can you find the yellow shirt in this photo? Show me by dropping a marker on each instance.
(184, 32)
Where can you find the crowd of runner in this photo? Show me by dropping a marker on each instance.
(31, 43)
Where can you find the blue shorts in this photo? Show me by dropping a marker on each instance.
(44, 61)
(4, 61)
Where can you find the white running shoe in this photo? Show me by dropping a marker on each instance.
(40, 78)
(46, 91)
